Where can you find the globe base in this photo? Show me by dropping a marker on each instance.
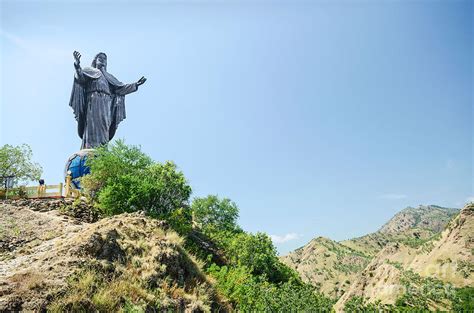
(76, 167)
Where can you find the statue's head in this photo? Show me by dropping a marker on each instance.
(100, 61)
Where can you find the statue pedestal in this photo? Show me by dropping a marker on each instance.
(76, 167)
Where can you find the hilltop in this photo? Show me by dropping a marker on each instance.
(428, 241)
(411, 226)
(431, 217)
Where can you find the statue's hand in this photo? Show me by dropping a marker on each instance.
(141, 81)
(77, 58)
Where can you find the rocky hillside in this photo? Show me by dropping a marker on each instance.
(327, 264)
(451, 257)
(334, 266)
(49, 260)
(425, 277)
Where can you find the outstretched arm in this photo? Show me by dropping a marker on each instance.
(77, 61)
(129, 88)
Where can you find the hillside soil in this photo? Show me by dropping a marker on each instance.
(49, 260)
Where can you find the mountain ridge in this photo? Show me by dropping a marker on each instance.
(417, 223)
(425, 276)
(412, 228)
(432, 217)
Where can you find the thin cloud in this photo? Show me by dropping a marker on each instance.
(393, 196)
(17, 41)
(470, 199)
(450, 164)
(284, 238)
(36, 48)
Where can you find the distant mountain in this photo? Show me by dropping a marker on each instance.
(412, 226)
(422, 277)
(430, 217)
(334, 266)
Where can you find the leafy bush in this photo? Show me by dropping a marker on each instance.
(180, 220)
(124, 179)
(254, 251)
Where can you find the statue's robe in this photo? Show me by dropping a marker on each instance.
(98, 102)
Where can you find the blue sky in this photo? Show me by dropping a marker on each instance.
(315, 117)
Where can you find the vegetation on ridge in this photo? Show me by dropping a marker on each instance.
(244, 267)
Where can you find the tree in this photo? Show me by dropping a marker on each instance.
(257, 253)
(16, 161)
(124, 179)
(215, 215)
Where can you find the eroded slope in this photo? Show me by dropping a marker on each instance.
(52, 261)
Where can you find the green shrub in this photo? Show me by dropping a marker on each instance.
(257, 253)
(250, 293)
(254, 251)
(180, 220)
(217, 218)
(124, 179)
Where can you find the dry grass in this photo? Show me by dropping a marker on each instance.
(125, 263)
(28, 280)
(155, 272)
(174, 238)
(49, 235)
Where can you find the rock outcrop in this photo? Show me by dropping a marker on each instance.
(49, 260)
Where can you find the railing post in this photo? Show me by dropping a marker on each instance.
(60, 189)
(68, 185)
